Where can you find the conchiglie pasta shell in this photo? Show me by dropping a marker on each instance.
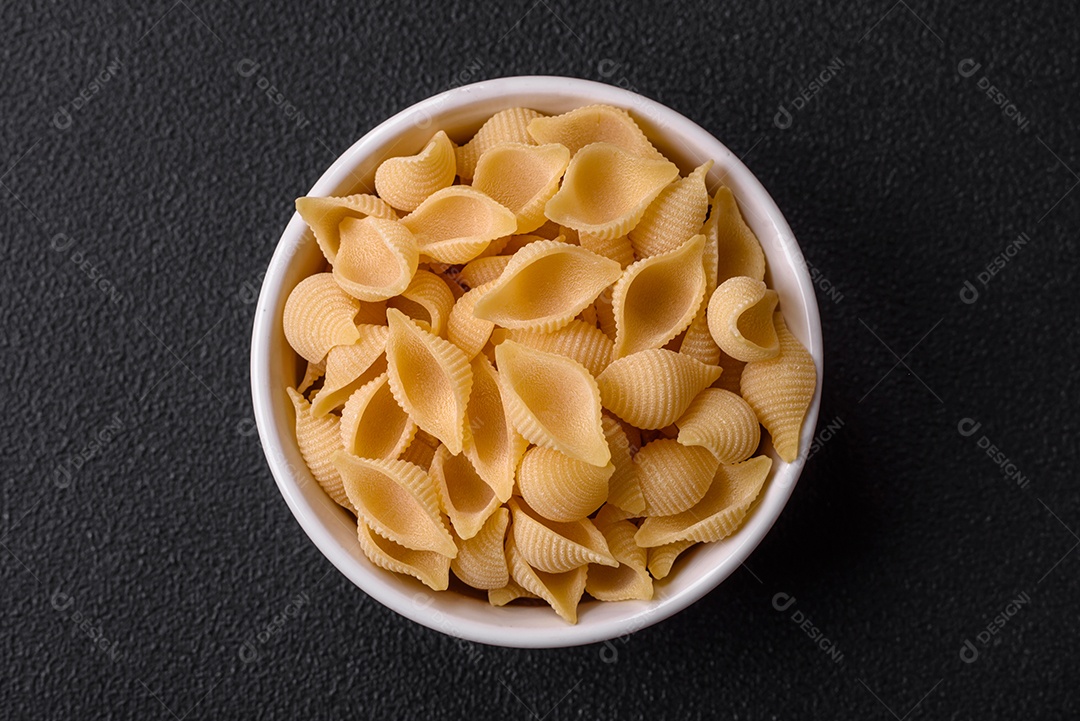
(718, 514)
(556, 547)
(657, 298)
(324, 215)
(780, 390)
(464, 329)
(624, 490)
(662, 558)
(491, 442)
(630, 578)
(481, 560)
(427, 301)
(350, 366)
(405, 182)
(617, 249)
(430, 568)
(562, 591)
(741, 319)
(463, 494)
(510, 592)
(673, 477)
(552, 401)
(430, 379)
(606, 190)
(676, 214)
(578, 340)
(545, 285)
(506, 126)
(594, 124)
(398, 501)
(738, 249)
(318, 316)
(652, 388)
(319, 439)
(373, 425)
(559, 487)
(456, 224)
(523, 178)
(377, 258)
(722, 422)
(482, 271)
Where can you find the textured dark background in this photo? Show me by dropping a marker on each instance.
(133, 578)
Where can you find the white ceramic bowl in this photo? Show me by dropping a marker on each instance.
(274, 366)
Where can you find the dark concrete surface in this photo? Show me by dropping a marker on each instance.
(150, 569)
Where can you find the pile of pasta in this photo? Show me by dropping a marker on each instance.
(541, 360)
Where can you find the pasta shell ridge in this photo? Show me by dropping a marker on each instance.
(377, 258)
(397, 500)
(312, 373)
(738, 249)
(556, 547)
(658, 297)
(373, 425)
(464, 329)
(552, 401)
(318, 316)
(510, 592)
(662, 558)
(624, 489)
(463, 495)
(718, 514)
(676, 214)
(545, 285)
(319, 439)
(491, 443)
(606, 190)
(561, 488)
(481, 271)
(456, 224)
(652, 388)
(507, 126)
(722, 422)
(592, 124)
(585, 343)
(324, 215)
(430, 568)
(427, 300)
(405, 182)
(780, 389)
(348, 367)
(562, 591)
(618, 248)
(741, 319)
(430, 378)
(481, 560)
(523, 178)
(629, 579)
(673, 477)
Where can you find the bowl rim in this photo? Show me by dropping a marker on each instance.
(406, 603)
